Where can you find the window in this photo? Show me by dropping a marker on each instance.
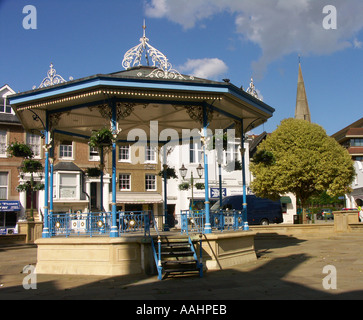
(66, 150)
(33, 141)
(2, 143)
(150, 154)
(232, 152)
(5, 108)
(68, 183)
(150, 182)
(356, 142)
(195, 152)
(3, 185)
(124, 181)
(93, 154)
(124, 153)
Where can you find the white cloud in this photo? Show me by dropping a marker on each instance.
(207, 68)
(278, 27)
(357, 44)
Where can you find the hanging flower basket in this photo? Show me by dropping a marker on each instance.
(31, 166)
(184, 186)
(28, 186)
(199, 185)
(21, 150)
(93, 172)
(101, 138)
(170, 173)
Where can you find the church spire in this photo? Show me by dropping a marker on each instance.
(302, 107)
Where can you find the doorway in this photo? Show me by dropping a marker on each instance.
(171, 215)
(93, 196)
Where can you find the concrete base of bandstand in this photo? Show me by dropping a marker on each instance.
(132, 254)
(222, 250)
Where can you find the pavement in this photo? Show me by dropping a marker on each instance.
(287, 268)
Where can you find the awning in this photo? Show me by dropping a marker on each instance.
(138, 197)
(10, 206)
(285, 199)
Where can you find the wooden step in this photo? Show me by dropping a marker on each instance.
(181, 270)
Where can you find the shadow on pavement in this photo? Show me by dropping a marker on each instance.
(263, 280)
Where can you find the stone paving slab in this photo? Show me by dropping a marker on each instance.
(287, 268)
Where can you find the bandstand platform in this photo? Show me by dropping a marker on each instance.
(133, 253)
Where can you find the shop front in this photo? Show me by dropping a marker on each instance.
(8, 216)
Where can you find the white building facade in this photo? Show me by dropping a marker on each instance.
(191, 156)
(355, 198)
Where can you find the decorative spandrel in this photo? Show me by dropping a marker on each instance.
(52, 78)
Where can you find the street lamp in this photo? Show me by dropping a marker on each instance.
(183, 172)
(200, 170)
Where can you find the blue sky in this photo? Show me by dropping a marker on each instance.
(216, 39)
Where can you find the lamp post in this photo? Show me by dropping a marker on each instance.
(183, 172)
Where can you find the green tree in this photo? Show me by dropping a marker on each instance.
(299, 157)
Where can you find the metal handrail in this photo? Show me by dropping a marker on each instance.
(98, 223)
(157, 256)
(200, 260)
(193, 220)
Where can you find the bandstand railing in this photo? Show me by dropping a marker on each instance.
(193, 221)
(98, 223)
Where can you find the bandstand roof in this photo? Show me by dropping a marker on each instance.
(141, 94)
(78, 106)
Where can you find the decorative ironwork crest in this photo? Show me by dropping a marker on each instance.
(252, 90)
(153, 57)
(52, 78)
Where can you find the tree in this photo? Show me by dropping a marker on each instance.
(299, 157)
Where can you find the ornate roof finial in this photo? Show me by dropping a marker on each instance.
(132, 58)
(144, 27)
(52, 78)
(252, 90)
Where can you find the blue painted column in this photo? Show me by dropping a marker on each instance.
(207, 227)
(51, 184)
(244, 205)
(220, 184)
(101, 179)
(46, 233)
(114, 230)
(166, 224)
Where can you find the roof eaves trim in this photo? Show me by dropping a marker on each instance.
(120, 83)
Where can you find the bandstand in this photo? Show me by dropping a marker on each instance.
(145, 104)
